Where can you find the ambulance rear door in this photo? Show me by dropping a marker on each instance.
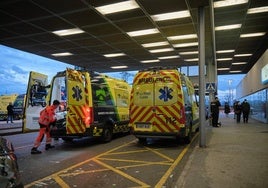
(156, 107)
(35, 100)
(76, 102)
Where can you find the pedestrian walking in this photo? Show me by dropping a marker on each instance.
(46, 119)
(10, 112)
(227, 109)
(238, 111)
(234, 108)
(245, 110)
(214, 108)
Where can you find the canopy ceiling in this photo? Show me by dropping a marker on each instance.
(27, 25)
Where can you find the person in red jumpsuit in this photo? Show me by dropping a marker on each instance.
(46, 119)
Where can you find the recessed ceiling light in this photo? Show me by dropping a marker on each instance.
(66, 32)
(161, 50)
(242, 55)
(171, 15)
(224, 59)
(226, 3)
(182, 45)
(228, 27)
(189, 53)
(194, 59)
(223, 69)
(252, 35)
(154, 44)
(142, 32)
(114, 55)
(258, 10)
(169, 57)
(62, 54)
(224, 51)
(182, 37)
(150, 61)
(117, 7)
(239, 63)
(119, 67)
(237, 71)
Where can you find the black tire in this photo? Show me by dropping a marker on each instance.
(67, 139)
(188, 138)
(142, 140)
(107, 135)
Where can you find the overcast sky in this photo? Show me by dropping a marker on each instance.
(15, 66)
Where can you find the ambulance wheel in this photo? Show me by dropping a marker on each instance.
(67, 139)
(142, 140)
(188, 138)
(107, 135)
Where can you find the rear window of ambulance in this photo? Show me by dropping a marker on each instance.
(143, 95)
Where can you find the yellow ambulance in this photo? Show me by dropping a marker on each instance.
(92, 105)
(163, 105)
(4, 102)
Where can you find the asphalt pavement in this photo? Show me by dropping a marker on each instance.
(10, 128)
(236, 155)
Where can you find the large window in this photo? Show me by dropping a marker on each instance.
(258, 105)
(190, 70)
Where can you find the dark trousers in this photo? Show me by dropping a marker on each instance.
(10, 118)
(238, 117)
(245, 117)
(215, 119)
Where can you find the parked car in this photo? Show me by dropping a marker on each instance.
(9, 171)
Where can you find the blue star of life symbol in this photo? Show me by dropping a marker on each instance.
(77, 93)
(165, 93)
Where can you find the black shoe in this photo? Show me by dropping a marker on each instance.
(35, 151)
(49, 146)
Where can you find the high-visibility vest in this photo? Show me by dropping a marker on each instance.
(47, 115)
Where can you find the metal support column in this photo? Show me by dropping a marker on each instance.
(201, 44)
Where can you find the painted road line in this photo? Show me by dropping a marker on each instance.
(103, 156)
(160, 154)
(122, 174)
(60, 182)
(176, 162)
(128, 152)
(135, 161)
(83, 172)
(74, 166)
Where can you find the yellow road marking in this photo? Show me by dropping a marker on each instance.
(61, 182)
(138, 165)
(135, 161)
(171, 168)
(62, 173)
(160, 154)
(74, 166)
(128, 152)
(82, 172)
(122, 174)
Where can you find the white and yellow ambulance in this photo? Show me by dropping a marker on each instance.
(92, 105)
(4, 102)
(163, 105)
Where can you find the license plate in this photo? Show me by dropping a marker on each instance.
(143, 126)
